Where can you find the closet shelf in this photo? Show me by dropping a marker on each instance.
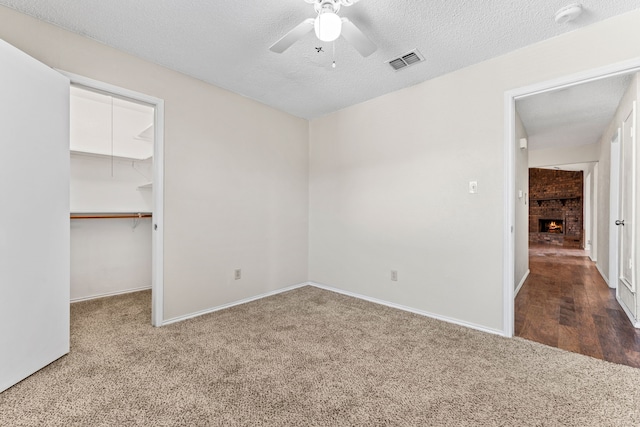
(111, 215)
(146, 186)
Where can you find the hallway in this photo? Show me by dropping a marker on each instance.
(565, 303)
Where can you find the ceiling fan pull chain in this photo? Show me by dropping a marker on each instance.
(334, 54)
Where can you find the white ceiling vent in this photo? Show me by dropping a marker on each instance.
(405, 60)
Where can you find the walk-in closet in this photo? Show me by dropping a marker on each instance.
(111, 194)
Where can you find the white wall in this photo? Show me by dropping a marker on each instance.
(109, 256)
(564, 155)
(636, 220)
(521, 247)
(588, 209)
(236, 173)
(389, 179)
(106, 184)
(592, 174)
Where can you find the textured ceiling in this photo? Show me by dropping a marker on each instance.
(574, 116)
(227, 43)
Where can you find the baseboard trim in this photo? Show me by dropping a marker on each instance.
(110, 294)
(515, 294)
(343, 292)
(604, 277)
(231, 304)
(633, 320)
(410, 309)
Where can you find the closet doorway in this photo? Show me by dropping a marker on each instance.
(115, 192)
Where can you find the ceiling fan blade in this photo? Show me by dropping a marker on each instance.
(292, 36)
(356, 38)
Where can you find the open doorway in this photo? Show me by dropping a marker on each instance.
(115, 192)
(563, 299)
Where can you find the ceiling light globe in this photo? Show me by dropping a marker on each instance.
(328, 26)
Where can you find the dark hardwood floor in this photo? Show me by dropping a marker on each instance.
(565, 303)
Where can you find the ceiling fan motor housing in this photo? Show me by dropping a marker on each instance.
(328, 27)
(330, 5)
(323, 6)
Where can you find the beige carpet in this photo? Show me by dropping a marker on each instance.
(311, 357)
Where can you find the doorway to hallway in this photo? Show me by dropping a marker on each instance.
(565, 303)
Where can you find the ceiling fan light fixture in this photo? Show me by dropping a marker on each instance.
(328, 26)
(568, 13)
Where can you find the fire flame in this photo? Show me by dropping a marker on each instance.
(554, 226)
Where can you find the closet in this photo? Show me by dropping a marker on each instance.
(111, 205)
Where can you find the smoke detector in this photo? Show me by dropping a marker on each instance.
(568, 13)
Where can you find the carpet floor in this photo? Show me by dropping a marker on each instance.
(311, 357)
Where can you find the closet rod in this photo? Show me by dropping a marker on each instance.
(102, 216)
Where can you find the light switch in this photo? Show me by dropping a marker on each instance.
(473, 187)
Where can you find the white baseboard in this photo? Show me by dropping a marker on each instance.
(339, 291)
(515, 294)
(231, 304)
(110, 294)
(633, 320)
(410, 310)
(604, 277)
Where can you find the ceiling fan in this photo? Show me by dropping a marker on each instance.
(328, 27)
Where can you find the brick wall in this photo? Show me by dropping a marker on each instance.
(556, 194)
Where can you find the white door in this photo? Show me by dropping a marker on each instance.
(614, 206)
(34, 215)
(627, 203)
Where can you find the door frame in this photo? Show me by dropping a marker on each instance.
(594, 212)
(586, 211)
(509, 189)
(614, 194)
(157, 245)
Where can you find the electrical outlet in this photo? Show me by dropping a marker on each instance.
(237, 274)
(394, 275)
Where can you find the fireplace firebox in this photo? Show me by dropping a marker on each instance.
(555, 226)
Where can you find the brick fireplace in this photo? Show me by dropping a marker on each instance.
(555, 207)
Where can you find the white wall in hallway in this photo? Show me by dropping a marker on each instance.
(564, 155)
(521, 244)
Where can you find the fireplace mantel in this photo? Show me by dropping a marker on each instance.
(563, 200)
